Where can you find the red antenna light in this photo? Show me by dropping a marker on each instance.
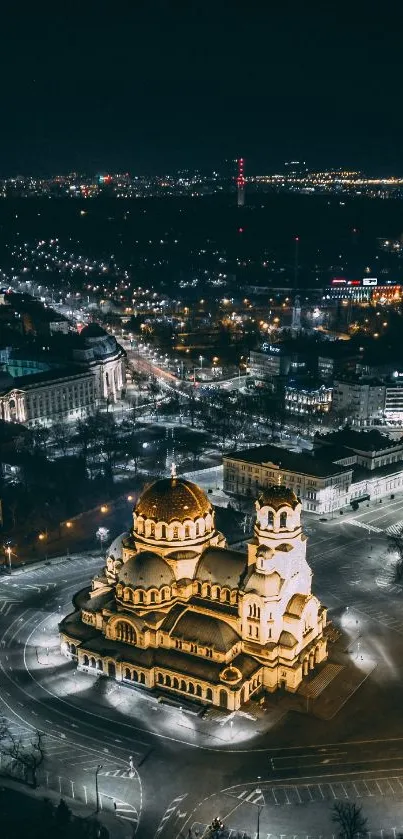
(240, 182)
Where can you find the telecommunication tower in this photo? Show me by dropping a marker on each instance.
(240, 182)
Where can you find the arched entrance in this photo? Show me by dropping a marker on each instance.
(111, 669)
(223, 699)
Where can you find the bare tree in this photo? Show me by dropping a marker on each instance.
(395, 547)
(28, 757)
(349, 819)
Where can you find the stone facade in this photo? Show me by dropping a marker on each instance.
(175, 609)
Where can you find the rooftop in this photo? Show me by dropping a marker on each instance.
(363, 441)
(317, 466)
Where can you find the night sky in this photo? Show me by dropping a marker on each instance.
(153, 86)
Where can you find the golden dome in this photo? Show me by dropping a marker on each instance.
(278, 496)
(172, 499)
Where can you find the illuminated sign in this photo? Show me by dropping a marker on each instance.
(370, 281)
(338, 281)
(269, 347)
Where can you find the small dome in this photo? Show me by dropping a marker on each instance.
(93, 330)
(278, 496)
(116, 548)
(146, 570)
(172, 499)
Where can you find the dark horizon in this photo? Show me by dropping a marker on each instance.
(164, 86)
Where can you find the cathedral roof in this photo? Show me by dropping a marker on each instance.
(287, 639)
(297, 604)
(222, 566)
(146, 569)
(267, 584)
(278, 496)
(173, 499)
(205, 630)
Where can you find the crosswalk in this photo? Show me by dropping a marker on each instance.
(325, 791)
(363, 524)
(395, 529)
(126, 811)
(174, 806)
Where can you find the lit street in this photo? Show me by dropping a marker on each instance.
(164, 767)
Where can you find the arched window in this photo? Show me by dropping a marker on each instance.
(191, 687)
(283, 519)
(183, 685)
(100, 665)
(175, 533)
(187, 531)
(165, 594)
(198, 690)
(92, 662)
(152, 596)
(197, 529)
(142, 679)
(208, 591)
(127, 673)
(140, 595)
(163, 531)
(227, 596)
(152, 530)
(168, 681)
(198, 588)
(270, 519)
(176, 684)
(209, 694)
(125, 633)
(160, 679)
(250, 611)
(135, 676)
(86, 661)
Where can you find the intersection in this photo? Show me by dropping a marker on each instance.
(300, 761)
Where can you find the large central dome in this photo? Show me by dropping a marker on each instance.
(173, 499)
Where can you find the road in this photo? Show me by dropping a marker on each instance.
(185, 769)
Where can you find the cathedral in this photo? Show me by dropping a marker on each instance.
(178, 611)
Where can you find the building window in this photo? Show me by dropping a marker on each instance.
(283, 519)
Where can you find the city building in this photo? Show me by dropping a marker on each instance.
(176, 610)
(304, 397)
(98, 351)
(360, 400)
(346, 466)
(51, 396)
(69, 378)
(363, 291)
(321, 484)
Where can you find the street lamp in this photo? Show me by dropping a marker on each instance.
(102, 534)
(104, 508)
(259, 810)
(98, 769)
(43, 538)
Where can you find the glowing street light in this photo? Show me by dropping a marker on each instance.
(104, 508)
